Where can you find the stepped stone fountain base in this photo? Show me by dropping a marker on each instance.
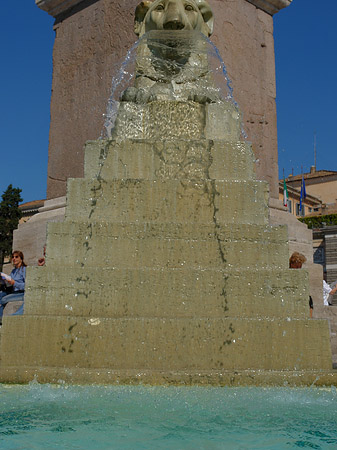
(165, 270)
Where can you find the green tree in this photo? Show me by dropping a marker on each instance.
(319, 221)
(10, 215)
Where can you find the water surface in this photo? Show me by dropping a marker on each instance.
(137, 417)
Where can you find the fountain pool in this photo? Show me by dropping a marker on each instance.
(137, 417)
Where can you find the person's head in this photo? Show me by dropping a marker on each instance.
(325, 275)
(296, 260)
(18, 259)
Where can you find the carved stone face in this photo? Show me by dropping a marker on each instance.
(174, 15)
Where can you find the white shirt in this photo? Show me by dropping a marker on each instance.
(326, 291)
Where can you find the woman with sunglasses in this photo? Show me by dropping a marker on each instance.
(16, 282)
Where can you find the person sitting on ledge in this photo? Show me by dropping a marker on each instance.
(296, 261)
(15, 283)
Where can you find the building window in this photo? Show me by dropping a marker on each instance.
(298, 211)
(310, 209)
(290, 206)
(319, 255)
(316, 209)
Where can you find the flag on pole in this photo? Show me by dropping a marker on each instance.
(285, 193)
(303, 193)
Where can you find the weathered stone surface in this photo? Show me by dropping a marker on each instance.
(151, 343)
(30, 237)
(55, 7)
(170, 159)
(168, 200)
(329, 313)
(178, 292)
(156, 246)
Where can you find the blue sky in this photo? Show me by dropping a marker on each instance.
(26, 42)
(305, 47)
(305, 37)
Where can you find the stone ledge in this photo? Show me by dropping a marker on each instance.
(52, 204)
(12, 307)
(56, 7)
(271, 6)
(61, 375)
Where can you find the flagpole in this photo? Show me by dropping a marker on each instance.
(315, 150)
(285, 192)
(303, 192)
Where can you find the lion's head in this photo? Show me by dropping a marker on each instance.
(174, 15)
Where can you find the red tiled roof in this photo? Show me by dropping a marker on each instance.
(307, 176)
(32, 205)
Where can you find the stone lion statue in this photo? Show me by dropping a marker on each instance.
(172, 62)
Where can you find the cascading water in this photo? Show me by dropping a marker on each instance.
(182, 67)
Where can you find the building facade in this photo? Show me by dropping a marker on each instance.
(296, 207)
(321, 184)
(319, 211)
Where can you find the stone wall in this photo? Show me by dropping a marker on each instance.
(93, 35)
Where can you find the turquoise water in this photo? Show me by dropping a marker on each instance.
(122, 417)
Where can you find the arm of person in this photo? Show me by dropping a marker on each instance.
(333, 291)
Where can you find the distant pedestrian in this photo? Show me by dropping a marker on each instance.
(327, 291)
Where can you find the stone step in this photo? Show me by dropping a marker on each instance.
(326, 312)
(322, 311)
(168, 201)
(173, 159)
(166, 344)
(329, 313)
(166, 245)
(111, 292)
